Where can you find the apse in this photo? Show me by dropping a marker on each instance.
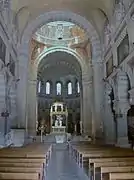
(59, 80)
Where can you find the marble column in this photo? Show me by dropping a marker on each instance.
(86, 106)
(98, 95)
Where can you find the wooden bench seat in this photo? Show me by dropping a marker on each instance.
(19, 176)
(17, 164)
(121, 176)
(105, 171)
(84, 158)
(96, 172)
(23, 170)
(24, 162)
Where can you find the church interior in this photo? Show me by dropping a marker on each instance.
(67, 89)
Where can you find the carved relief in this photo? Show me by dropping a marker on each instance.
(107, 33)
(131, 28)
(119, 12)
(107, 92)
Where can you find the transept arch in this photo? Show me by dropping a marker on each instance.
(24, 59)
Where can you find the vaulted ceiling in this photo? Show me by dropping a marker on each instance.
(59, 64)
(92, 10)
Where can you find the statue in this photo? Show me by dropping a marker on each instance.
(56, 123)
(119, 12)
(107, 33)
(60, 123)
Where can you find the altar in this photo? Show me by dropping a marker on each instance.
(58, 116)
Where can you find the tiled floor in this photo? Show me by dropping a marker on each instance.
(62, 167)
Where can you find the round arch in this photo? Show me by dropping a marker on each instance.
(62, 16)
(24, 55)
(69, 51)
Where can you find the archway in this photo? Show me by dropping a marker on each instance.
(24, 58)
(72, 59)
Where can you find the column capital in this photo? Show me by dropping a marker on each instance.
(4, 4)
(121, 107)
(131, 92)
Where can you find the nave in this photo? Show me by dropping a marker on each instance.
(62, 166)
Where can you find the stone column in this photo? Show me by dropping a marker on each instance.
(121, 109)
(86, 106)
(98, 95)
(22, 91)
(32, 108)
(109, 121)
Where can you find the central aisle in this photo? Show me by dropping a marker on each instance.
(62, 166)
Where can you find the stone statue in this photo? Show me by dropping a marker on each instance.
(119, 12)
(60, 123)
(56, 123)
(107, 33)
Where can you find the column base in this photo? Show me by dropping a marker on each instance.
(18, 137)
(123, 142)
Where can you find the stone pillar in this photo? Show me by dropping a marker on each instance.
(86, 106)
(32, 108)
(121, 120)
(22, 91)
(109, 121)
(121, 107)
(98, 95)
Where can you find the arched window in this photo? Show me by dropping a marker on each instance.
(58, 88)
(69, 88)
(39, 86)
(78, 87)
(48, 87)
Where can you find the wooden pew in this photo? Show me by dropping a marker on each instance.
(101, 154)
(105, 171)
(18, 170)
(120, 176)
(19, 176)
(96, 164)
(97, 167)
(28, 160)
(86, 153)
